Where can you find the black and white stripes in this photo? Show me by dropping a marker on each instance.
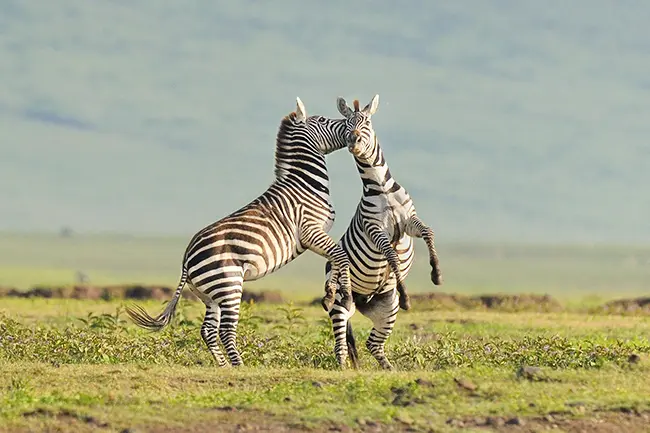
(293, 215)
(378, 241)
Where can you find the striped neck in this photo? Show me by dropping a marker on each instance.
(374, 171)
(298, 160)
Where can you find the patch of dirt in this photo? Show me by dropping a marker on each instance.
(599, 422)
(66, 416)
(632, 305)
(136, 292)
(501, 302)
(233, 420)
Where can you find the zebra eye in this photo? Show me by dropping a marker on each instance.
(321, 119)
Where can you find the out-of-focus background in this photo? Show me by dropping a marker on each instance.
(519, 128)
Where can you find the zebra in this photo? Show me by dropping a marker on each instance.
(293, 215)
(379, 243)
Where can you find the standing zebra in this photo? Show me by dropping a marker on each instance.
(293, 215)
(379, 243)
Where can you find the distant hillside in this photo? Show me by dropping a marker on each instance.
(504, 119)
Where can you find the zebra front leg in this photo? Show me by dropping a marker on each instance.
(381, 241)
(416, 228)
(382, 310)
(315, 239)
(331, 286)
(340, 316)
(210, 333)
(229, 321)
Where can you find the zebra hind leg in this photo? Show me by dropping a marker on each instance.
(382, 310)
(210, 333)
(340, 316)
(228, 328)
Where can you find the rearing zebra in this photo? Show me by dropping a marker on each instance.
(294, 214)
(378, 241)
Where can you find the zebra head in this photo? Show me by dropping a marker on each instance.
(303, 138)
(323, 133)
(360, 135)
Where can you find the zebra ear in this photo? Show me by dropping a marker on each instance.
(301, 113)
(343, 108)
(371, 108)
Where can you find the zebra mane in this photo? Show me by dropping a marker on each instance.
(290, 117)
(286, 136)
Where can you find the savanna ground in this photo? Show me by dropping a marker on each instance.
(79, 365)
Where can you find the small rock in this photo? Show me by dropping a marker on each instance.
(423, 382)
(529, 373)
(127, 430)
(415, 326)
(404, 419)
(494, 421)
(317, 384)
(634, 358)
(577, 406)
(549, 418)
(515, 421)
(287, 399)
(466, 383)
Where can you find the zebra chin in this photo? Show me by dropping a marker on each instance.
(354, 149)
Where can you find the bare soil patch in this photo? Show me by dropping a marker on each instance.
(631, 305)
(126, 291)
(599, 422)
(230, 419)
(498, 301)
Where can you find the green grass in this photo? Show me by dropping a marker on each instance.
(83, 359)
(570, 273)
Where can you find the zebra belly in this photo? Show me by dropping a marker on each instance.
(255, 271)
(369, 270)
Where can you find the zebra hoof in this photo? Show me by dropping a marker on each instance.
(405, 302)
(327, 303)
(436, 277)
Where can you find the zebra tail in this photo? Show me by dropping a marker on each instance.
(352, 346)
(141, 318)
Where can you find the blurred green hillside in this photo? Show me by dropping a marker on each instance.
(505, 119)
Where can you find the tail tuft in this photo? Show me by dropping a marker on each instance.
(352, 346)
(141, 318)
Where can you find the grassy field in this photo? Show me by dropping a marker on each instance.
(70, 365)
(79, 365)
